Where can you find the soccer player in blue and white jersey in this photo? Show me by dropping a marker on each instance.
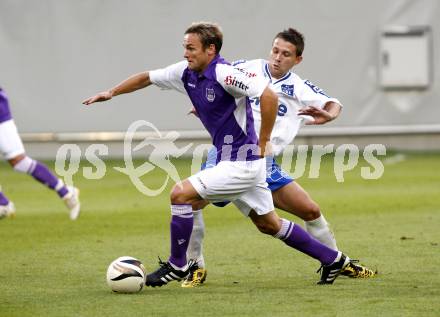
(221, 95)
(11, 147)
(296, 98)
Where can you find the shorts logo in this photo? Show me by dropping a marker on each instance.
(232, 81)
(210, 94)
(287, 89)
(201, 183)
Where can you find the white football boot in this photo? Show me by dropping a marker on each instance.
(71, 199)
(7, 210)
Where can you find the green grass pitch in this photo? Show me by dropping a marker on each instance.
(51, 266)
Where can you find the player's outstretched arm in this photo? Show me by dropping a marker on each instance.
(268, 108)
(132, 83)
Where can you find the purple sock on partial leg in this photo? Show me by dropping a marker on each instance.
(180, 228)
(42, 174)
(3, 199)
(296, 237)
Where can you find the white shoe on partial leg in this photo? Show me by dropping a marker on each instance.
(7, 210)
(71, 199)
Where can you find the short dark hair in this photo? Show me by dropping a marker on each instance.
(293, 36)
(209, 33)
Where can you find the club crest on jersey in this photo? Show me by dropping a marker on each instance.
(210, 94)
(287, 89)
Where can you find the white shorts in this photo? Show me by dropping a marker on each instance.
(242, 182)
(10, 142)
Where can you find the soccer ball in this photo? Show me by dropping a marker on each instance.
(126, 275)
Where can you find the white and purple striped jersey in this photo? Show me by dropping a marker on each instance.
(5, 113)
(221, 98)
(293, 94)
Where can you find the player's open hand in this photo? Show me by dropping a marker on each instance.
(319, 115)
(193, 111)
(102, 96)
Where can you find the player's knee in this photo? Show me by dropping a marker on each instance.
(312, 211)
(17, 159)
(178, 195)
(23, 164)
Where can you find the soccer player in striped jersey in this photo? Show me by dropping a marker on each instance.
(11, 147)
(298, 100)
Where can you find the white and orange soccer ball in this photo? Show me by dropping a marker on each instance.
(126, 275)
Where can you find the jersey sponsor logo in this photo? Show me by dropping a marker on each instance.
(192, 85)
(315, 88)
(210, 94)
(232, 81)
(287, 89)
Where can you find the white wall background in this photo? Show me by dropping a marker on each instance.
(55, 53)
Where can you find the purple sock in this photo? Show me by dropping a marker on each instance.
(3, 199)
(296, 237)
(181, 228)
(42, 174)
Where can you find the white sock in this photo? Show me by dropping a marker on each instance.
(320, 230)
(195, 246)
(26, 165)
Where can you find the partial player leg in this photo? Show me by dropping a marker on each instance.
(41, 173)
(195, 246)
(333, 262)
(295, 200)
(197, 274)
(177, 267)
(213, 184)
